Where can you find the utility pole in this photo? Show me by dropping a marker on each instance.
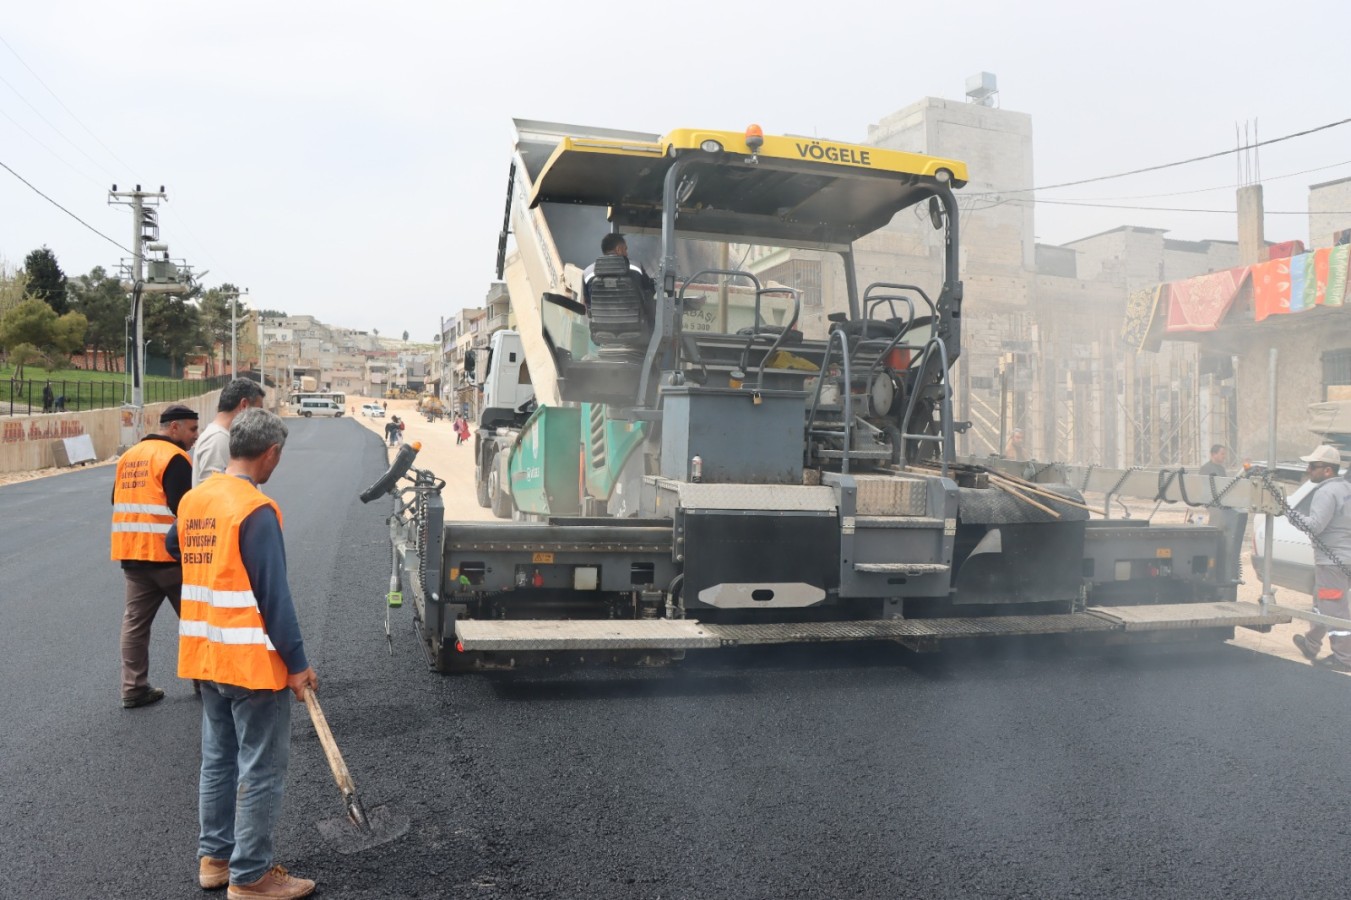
(144, 223)
(234, 332)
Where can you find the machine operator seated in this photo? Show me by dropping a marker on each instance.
(620, 298)
(615, 245)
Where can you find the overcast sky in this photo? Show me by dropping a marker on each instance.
(348, 160)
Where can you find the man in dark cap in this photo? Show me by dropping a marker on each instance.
(152, 476)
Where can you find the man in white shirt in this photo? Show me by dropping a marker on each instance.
(212, 451)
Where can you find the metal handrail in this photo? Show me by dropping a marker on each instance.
(867, 294)
(848, 399)
(778, 341)
(945, 438)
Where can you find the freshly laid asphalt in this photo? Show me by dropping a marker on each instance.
(847, 771)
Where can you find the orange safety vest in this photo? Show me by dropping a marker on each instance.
(221, 633)
(141, 513)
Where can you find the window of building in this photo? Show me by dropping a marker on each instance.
(1336, 374)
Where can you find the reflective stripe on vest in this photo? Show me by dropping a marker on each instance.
(141, 513)
(149, 509)
(222, 635)
(221, 599)
(225, 635)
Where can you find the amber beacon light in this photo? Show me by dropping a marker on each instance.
(755, 138)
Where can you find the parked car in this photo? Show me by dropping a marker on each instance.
(374, 410)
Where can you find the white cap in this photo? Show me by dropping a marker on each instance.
(1324, 453)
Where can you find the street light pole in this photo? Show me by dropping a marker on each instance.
(234, 333)
(234, 354)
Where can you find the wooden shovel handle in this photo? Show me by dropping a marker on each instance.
(335, 760)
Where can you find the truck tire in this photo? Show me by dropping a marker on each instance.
(501, 500)
(307, 414)
(481, 482)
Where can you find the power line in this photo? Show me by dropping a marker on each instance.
(63, 209)
(59, 132)
(1181, 162)
(88, 131)
(1222, 187)
(63, 105)
(1186, 209)
(59, 158)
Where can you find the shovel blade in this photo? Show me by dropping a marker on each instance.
(385, 825)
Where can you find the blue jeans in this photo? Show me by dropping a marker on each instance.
(246, 744)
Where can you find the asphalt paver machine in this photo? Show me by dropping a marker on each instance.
(683, 487)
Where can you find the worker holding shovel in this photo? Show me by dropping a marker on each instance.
(239, 636)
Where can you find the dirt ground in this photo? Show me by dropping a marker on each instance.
(16, 477)
(439, 453)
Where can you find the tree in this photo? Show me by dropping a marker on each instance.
(271, 313)
(46, 281)
(13, 287)
(105, 305)
(21, 355)
(375, 331)
(34, 324)
(214, 306)
(405, 336)
(174, 324)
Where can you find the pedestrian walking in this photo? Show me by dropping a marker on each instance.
(240, 637)
(48, 398)
(152, 477)
(212, 453)
(392, 431)
(1219, 457)
(1328, 519)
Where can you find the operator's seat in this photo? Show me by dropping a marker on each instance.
(619, 310)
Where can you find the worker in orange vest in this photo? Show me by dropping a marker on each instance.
(240, 638)
(152, 476)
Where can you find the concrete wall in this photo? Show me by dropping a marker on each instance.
(1300, 346)
(1328, 206)
(26, 441)
(1185, 259)
(996, 145)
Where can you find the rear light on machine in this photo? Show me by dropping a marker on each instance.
(898, 359)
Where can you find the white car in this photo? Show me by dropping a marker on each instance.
(1291, 551)
(374, 410)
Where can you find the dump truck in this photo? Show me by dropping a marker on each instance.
(508, 402)
(677, 489)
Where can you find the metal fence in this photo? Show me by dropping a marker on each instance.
(26, 397)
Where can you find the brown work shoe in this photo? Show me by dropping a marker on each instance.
(275, 885)
(1307, 647)
(213, 873)
(144, 698)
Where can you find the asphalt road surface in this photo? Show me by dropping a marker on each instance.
(859, 771)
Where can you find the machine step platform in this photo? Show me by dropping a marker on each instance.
(1170, 616)
(688, 634)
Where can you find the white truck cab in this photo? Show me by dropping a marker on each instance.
(508, 394)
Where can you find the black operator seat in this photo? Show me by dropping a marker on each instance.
(620, 312)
